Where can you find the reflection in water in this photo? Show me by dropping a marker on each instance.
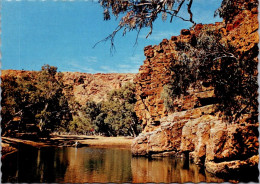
(78, 165)
(98, 165)
(34, 165)
(168, 170)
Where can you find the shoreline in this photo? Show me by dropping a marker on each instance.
(97, 141)
(70, 140)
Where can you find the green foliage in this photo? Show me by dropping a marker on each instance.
(215, 62)
(168, 95)
(36, 98)
(119, 110)
(83, 121)
(8, 100)
(79, 125)
(54, 105)
(113, 117)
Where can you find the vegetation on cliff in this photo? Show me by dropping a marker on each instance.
(209, 60)
(229, 8)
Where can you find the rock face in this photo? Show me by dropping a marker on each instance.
(155, 73)
(84, 86)
(206, 139)
(197, 130)
(94, 87)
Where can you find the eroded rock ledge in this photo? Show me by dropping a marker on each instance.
(207, 140)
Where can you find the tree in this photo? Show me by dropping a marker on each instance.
(120, 112)
(9, 100)
(83, 120)
(36, 98)
(113, 117)
(138, 14)
(53, 106)
(18, 99)
(214, 61)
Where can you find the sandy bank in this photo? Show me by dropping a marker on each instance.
(97, 141)
(69, 140)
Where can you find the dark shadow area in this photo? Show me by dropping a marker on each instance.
(208, 101)
(245, 175)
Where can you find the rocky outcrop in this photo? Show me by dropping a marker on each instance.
(206, 139)
(197, 130)
(85, 86)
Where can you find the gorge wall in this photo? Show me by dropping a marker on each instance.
(84, 86)
(94, 87)
(197, 129)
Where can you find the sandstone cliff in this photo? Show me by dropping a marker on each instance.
(197, 130)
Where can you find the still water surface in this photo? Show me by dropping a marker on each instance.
(78, 165)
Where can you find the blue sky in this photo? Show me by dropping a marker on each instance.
(63, 33)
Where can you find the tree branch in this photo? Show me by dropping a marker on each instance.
(110, 37)
(141, 14)
(177, 11)
(189, 11)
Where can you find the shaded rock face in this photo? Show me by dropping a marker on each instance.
(83, 86)
(197, 130)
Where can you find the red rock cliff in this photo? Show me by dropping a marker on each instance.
(155, 72)
(197, 130)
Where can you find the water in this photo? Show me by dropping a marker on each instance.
(78, 165)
